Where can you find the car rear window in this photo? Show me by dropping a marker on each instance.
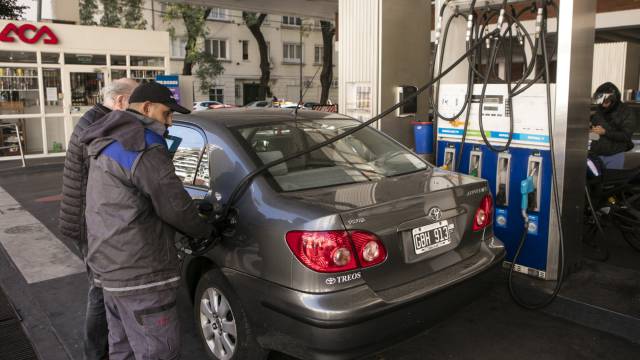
(366, 155)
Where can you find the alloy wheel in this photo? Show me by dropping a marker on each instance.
(218, 324)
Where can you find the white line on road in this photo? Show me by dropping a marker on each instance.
(36, 252)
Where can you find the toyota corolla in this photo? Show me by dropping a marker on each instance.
(333, 254)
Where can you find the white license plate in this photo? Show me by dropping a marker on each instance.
(433, 236)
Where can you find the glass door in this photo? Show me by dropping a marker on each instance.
(83, 91)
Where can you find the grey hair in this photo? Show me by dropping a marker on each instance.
(123, 86)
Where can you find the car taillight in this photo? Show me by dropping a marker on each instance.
(333, 251)
(323, 251)
(484, 213)
(369, 248)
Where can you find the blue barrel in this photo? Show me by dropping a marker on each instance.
(423, 135)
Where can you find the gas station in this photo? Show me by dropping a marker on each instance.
(500, 90)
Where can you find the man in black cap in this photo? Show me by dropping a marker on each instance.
(135, 202)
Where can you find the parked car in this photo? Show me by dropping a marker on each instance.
(258, 104)
(204, 105)
(220, 106)
(333, 254)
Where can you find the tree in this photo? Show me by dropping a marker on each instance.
(326, 77)
(111, 13)
(10, 10)
(132, 18)
(88, 9)
(254, 22)
(194, 19)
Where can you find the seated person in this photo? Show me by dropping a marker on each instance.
(612, 126)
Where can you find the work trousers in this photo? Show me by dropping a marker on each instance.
(96, 346)
(143, 327)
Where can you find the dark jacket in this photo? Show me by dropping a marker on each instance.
(135, 203)
(71, 220)
(619, 123)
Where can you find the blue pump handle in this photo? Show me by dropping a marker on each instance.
(526, 187)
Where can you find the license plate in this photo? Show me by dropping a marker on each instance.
(433, 236)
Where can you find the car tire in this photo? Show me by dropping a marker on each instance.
(218, 313)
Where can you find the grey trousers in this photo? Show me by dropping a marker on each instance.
(96, 332)
(143, 327)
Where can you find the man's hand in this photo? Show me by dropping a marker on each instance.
(598, 130)
(198, 246)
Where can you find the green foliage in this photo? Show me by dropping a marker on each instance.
(208, 68)
(10, 10)
(111, 10)
(88, 9)
(194, 19)
(132, 18)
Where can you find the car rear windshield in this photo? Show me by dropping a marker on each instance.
(366, 155)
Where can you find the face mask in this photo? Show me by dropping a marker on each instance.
(599, 99)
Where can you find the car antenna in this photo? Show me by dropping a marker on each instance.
(305, 91)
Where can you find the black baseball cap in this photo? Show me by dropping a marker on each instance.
(156, 93)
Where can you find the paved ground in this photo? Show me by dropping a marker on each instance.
(51, 299)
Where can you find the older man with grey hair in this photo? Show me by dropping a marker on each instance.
(72, 222)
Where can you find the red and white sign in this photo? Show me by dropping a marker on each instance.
(28, 33)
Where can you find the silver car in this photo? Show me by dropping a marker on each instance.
(333, 254)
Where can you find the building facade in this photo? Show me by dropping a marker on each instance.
(290, 40)
(50, 74)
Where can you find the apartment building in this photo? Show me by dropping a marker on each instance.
(291, 40)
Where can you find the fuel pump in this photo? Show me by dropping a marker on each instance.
(504, 134)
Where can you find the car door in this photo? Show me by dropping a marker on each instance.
(191, 159)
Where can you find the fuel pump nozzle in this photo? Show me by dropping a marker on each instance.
(526, 187)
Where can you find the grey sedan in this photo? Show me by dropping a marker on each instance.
(333, 254)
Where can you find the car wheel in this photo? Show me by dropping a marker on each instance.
(221, 322)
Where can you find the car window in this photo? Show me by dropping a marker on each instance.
(366, 155)
(189, 152)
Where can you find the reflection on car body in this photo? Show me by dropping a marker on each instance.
(329, 244)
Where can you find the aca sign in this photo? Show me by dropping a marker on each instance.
(28, 33)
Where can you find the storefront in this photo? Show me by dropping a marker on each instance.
(50, 74)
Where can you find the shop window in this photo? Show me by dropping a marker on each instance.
(245, 49)
(85, 88)
(178, 48)
(217, 48)
(50, 58)
(18, 57)
(292, 53)
(291, 21)
(55, 134)
(147, 61)
(188, 153)
(19, 91)
(318, 54)
(85, 59)
(9, 145)
(144, 76)
(216, 94)
(52, 91)
(118, 60)
(118, 74)
(219, 14)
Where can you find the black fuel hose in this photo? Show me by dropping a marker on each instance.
(247, 180)
(514, 295)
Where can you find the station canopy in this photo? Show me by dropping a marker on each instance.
(325, 9)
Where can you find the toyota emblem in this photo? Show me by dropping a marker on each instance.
(435, 213)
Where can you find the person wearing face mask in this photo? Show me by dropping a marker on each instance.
(612, 126)
(71, 218)
(135, 204)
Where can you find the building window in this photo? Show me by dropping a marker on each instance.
(118, 60)
(178, 48)
(217, 48)
(147, 61)
(363, 97)
(245, 49)
(318, 54)
(216, 94)
(292, 53)
(218, 14)
(291, 21)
